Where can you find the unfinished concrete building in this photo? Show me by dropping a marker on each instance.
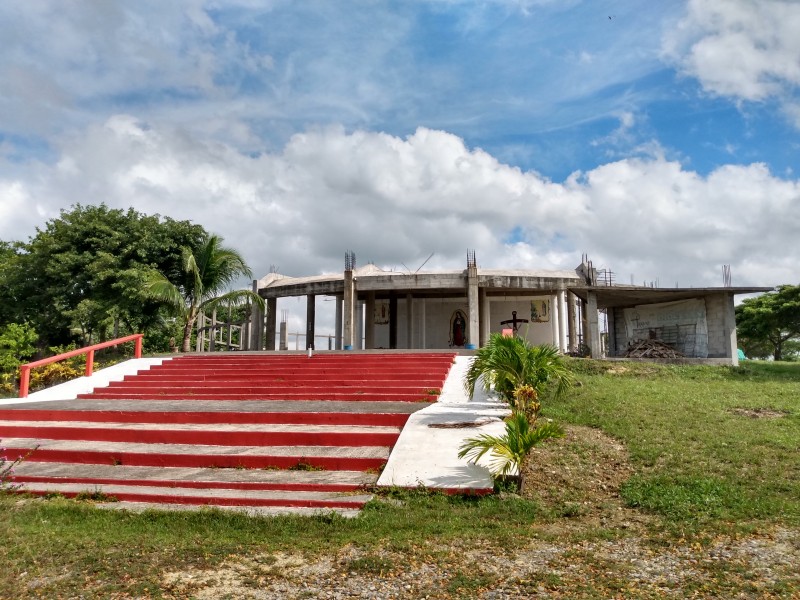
(571, 310)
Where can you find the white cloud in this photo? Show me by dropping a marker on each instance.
(743, 49)
(395, 200)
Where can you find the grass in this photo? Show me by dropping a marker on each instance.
(698, 459)
(701, 470)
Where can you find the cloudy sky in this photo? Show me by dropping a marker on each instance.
(661, 138)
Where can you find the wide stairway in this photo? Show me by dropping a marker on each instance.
(262, 432)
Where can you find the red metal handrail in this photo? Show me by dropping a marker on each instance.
(25, 370)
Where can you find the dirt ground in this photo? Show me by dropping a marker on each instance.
(578, 479)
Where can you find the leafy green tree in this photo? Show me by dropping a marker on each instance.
(771, 320)
(17, 344)
(207, 272)
(506, 363)
(81, 277)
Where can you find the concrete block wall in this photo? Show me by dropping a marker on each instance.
(719, 322)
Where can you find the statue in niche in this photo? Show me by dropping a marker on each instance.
(458, 329)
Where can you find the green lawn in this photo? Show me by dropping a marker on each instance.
(708, 443)
(714, 453)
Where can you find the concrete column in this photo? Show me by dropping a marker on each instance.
(422, 326)
(359, 341)
(284, 333)
(473, 326)
(572, 330)
(562, 307)
(272, 320)
(349, 312)
(338, 324)
(409, 321)
(554, 311)
(311, 313)
(393, 321)
(612, 332)
(485, 320)
(729, 324)
(592, 331)
(369, 321)
(256, 329)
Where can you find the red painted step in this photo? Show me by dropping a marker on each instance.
(206, 436)
(228, 420)
(295, 395)
(265, 460)
(166, 417)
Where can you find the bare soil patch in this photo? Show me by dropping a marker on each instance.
(760, 413)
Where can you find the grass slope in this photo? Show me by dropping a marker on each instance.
(711, 465)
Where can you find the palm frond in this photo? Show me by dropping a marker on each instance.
(157, 287)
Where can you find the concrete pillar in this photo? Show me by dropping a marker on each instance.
(409, 321)
(562, 308)
(485, 320)
(422, 326)
(572, 329)
(592, 331)
(284, 333)
(349, 312)
(369, 321)
(612, 332)
(359, 341)
(255, 332)
(337, 344)
(554, 311)
(473, 325)
(272, 320)
(729, 330)
(393, 321)
(311, 314)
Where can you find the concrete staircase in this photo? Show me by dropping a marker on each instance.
(255, 431)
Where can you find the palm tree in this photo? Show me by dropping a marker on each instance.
(506, 363)
(206, 273)
(511, 450)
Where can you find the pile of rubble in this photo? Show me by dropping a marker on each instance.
(651, 349)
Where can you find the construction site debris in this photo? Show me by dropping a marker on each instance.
(651, 349)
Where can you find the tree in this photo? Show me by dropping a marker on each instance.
(506, 363)
(772, 319)
(81, 276)
(206, 273)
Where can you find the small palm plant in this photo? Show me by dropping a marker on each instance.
(511, 450)
(506, 363)
(520, 373)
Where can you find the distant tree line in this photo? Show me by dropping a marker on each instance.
(769, 325)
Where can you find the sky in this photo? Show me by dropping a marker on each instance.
(659, 138)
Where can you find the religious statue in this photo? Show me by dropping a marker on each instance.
(458, 329)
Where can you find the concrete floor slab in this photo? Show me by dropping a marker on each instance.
(70, 389)
(426, 454)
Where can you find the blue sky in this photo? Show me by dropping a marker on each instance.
(661, 138)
